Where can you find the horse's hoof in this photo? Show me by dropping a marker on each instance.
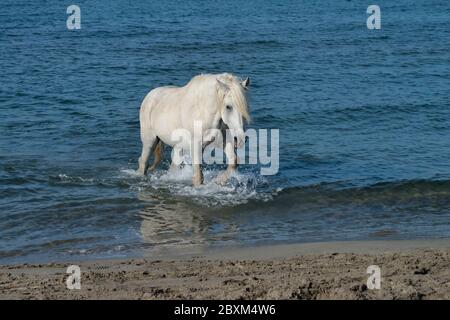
(142, 172)
(197, 181)
(222, 178)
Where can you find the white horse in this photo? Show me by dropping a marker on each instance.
(217, 101)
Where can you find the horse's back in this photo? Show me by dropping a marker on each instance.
(156, 95)
(167, 95)
(159, 112)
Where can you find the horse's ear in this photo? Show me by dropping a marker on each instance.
(222, 86)
(246, 83)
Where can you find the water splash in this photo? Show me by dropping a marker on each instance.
(240, 188)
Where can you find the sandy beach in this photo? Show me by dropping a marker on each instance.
(336, 270)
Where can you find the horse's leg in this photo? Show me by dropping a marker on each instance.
(197, 178)
(158, 153)
(148, 146)
(232, 163)
(177, 157)
(198, 174)
(196, 155)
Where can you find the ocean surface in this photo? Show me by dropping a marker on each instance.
(364, 119)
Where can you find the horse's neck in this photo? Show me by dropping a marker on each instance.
(202, 103)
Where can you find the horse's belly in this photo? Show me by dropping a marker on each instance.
(173, 119)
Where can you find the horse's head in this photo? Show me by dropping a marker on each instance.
(234, 110)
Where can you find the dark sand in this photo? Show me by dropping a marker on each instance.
(409, 270)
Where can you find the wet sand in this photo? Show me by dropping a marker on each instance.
(336, 270)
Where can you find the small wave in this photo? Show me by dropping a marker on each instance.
(392, 194)
(66, 179)
(249, 187)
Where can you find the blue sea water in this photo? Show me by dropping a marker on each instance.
(364, 119)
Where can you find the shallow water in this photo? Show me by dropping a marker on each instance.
(364, 119)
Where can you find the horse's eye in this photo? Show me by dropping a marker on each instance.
(229, 108)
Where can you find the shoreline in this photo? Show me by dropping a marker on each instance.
(410, 269)
(276, 251)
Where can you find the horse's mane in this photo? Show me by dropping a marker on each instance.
(234, 89)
